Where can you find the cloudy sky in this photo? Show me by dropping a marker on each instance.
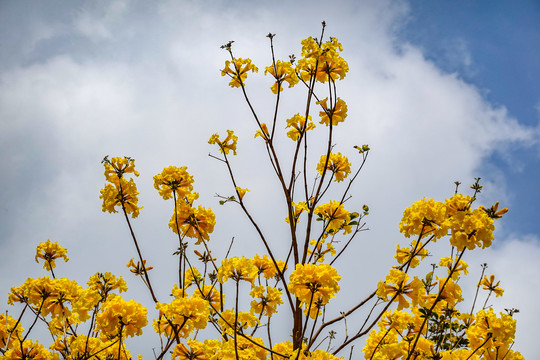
(441, 92)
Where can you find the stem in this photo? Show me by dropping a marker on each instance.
(140, 255)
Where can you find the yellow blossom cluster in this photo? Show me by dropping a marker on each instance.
(64, 306)
(298, 126)
(297, 209)
(237, 269)
(187, 220)
(120, 191)
(237, 70)
(321, 61)
(335, 217)
(266, 266)
(267, 299)
(338, 164)
(318, 251)
(412, 255)
(468, 228)
(197, 223)
(181, 316)
(397, 286)
(29, 349)
(314, 285)
(81, 346)
(333, 114)
(49, 252)
(119, 317)
(173, 180)
(10, 330)
(283, 72)
(227, 144)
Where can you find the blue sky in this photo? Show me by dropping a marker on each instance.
(441, 92)
(500, 40)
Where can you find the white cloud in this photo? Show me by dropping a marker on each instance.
(95, 23)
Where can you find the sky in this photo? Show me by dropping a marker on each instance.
(441, 92)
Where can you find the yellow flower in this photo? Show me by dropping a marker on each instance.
(318, 250)
(424, 217)
(451, 292)
(298, 208)
(283, 71)
(247, 348)
(335, 217)
(196, 351)
(211, 294)
(491, 285)
(383, 344)
(338, 164)
(314, 284)
(395, 319)
(117, 166)
(47, 296)
(414, 254)
(138, 269)
(267, 300)
(298, 126)
(237, 70)
(228, 144)
(49, 251)
(396, 285)
(121, 193)
(245, 320)
(448, 262)
(173, 179)
(29, 349)
(337, 113)
(185, 314)
(241, 192)
(117, 315)
(494, 211)
(266, 266)
(10, 330)
(323, 62)
(470, 229)
(196, 223)
(104, 283)
(80, 347)
(237, 269)
(263, 132)
(492, 332)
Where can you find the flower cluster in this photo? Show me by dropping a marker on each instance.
(119, 317)
(338, 164)
(321, 61)
(173, 180)
(237, 70)
(314, 286)
(187, 220)
(182, 316)
(335, 217)
(333, 114)
(120, 191)
(227, 144)
(469, 228)
(298, 126)
(237, 269)
(283, 72)
(49, 252)
(65, 306)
